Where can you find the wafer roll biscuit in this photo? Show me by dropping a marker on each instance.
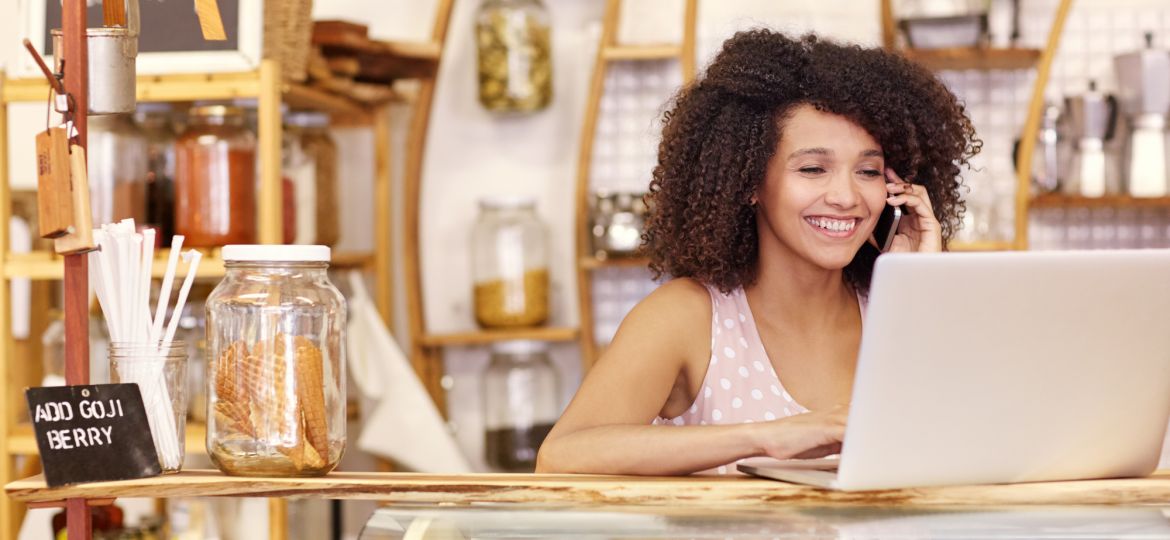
(311, 393)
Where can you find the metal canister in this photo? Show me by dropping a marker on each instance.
(112, 54)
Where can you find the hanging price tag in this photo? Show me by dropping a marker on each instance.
(54, 194)
(80, 239)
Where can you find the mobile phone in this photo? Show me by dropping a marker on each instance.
(887, 227)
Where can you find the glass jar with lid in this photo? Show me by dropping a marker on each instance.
(521, 404)
(515, 60)
(215, 178)
(276, 383)
(118, 168)
(510, 263)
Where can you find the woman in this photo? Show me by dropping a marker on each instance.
(772, 172)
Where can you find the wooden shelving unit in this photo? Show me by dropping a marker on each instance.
(974, 58)
(426, 347)
(610, 51)
(264, 85)
(993, 59)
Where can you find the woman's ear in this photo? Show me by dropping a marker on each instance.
(755, 200)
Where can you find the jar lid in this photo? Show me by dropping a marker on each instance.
(275, 253)
(520, 346)
(507, 202)
(215, 111)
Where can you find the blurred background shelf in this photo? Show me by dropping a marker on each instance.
(44, 265)
(486, 337)
(642, 52)
(1108, 201)
(974, 58)
(982, 246)
(593, 263)
(178, 87)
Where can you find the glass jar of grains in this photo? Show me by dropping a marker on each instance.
(515, 65)
(276, 383)
(510, 263)
(215, 178)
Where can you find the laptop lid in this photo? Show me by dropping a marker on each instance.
(1010, 367)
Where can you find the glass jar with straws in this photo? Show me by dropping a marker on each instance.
(143, 349)
(276, 344)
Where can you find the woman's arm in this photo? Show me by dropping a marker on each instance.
(606, 429)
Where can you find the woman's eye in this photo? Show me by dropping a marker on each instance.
(871, 172)
(812, 170)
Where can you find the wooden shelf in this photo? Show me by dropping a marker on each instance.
(981, 246)
(352, 259)
(594, 490)
(43, 265)
(642, 52)
(1108, 201)
(299, 96)
(974, 58)
(486, 337)
(179, 87)
(205, 87)
(593, 263)
(23, 442)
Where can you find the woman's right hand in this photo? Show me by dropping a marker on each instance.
(803, 436)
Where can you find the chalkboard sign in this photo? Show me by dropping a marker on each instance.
(92, 433)
(169, 26)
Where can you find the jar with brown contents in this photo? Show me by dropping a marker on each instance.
(276, 383)
(510, 263)
(215, 179)
(515, 60)
(118, 169)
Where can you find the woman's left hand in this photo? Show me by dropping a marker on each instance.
(919, 230)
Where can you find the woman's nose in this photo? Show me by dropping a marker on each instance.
(842, 192)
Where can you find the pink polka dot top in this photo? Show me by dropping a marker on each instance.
(741, 386)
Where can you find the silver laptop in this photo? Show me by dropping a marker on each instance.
(983, 368)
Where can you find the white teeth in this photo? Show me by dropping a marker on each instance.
(835, 225)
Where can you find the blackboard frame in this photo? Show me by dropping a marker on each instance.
(245, 56)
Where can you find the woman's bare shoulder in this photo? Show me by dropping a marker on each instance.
(679, 309)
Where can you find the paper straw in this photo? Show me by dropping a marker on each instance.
(113, 317)
(142, 303)
(192, 257)
(164, 293)
(134, 266)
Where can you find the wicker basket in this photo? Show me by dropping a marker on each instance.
(288, 30)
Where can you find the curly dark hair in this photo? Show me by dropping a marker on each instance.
(721, 131)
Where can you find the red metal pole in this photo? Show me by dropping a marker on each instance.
(73, 25)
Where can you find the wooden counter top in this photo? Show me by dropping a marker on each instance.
(405, 488)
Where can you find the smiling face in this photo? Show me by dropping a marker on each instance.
(824, 189)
